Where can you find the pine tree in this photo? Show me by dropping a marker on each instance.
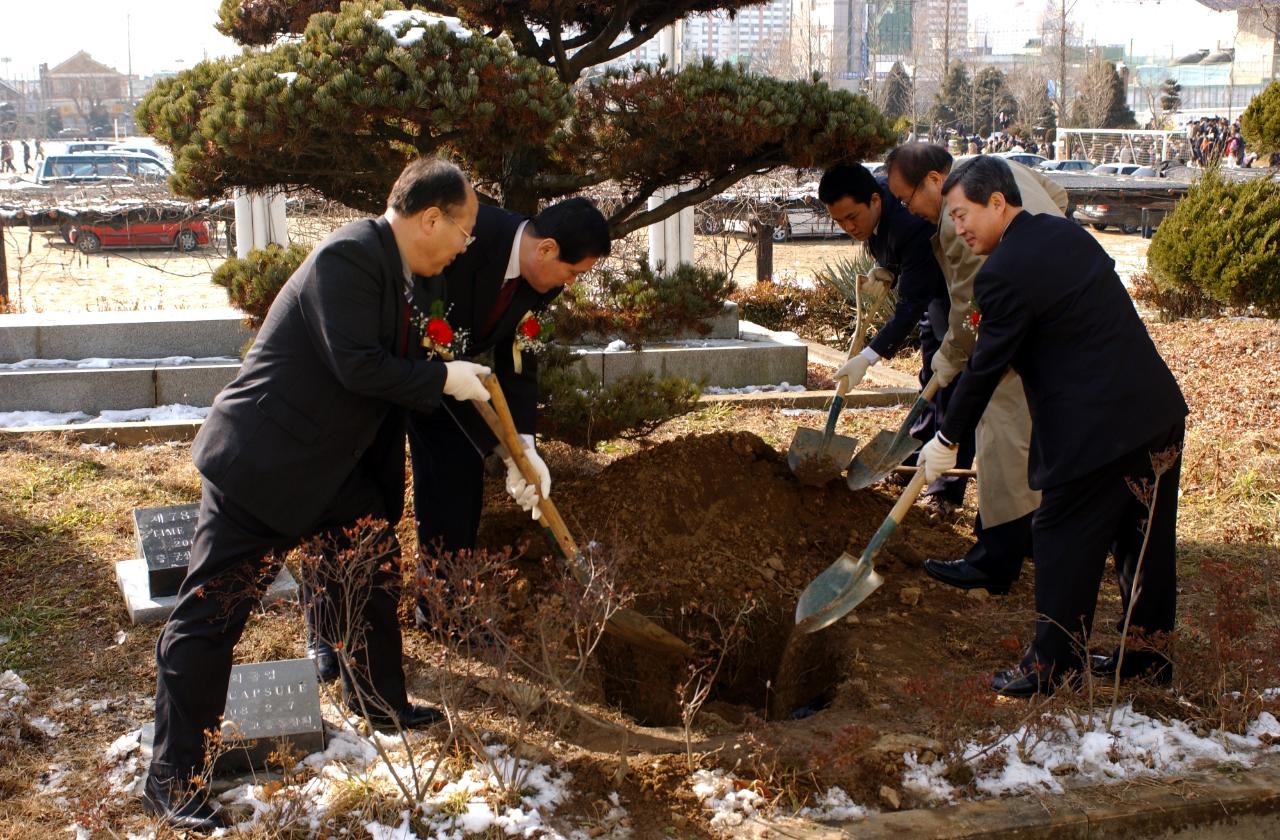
(1119, 114)
(340, 95)
(898, 92)
(1170, 96)
(1260, 122)
(952, 107)
(991, 97)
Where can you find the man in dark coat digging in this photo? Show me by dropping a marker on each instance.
(1107, 424)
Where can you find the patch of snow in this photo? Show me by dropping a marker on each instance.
(80, 832)
(1083, 749)
(98, 447)
(835, 804)
(31, 419)
(51, 780)
(46, 726)
(124, 755)
(799, 412)
(729, 802)
(95, 363)
(408, 27)
(754, 389)
(615, 346)
(289, 78)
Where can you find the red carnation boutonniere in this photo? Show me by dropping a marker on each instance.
(975, 316)
(532, 334)
(438, 335)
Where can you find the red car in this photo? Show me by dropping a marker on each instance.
(184, 235)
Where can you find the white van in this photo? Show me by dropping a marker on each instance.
(98, 167)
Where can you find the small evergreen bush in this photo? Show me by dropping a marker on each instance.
(576, 408)
(1222, 242)
(253, 282)
(1260, 122)
(638, 304)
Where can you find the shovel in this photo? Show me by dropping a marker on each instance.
(848, 581)
(624, 623)
(887, 449)
(817, 457)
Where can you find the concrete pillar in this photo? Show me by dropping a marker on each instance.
(671, 240)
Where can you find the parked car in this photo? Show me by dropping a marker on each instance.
(186, 235)
(1127, 217)
(1024, 158)
(150, 151)
(87, 146)
(94, 167)
(1115, 169)
(1065, 165)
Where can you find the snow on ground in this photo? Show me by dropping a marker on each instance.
(103, 364)
(1085, 752)
(31, 419)
(753, 389)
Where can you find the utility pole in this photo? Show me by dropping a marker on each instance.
(1062, 63)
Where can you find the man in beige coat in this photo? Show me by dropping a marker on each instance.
(1006, 503)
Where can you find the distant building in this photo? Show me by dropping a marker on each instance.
(81, 89)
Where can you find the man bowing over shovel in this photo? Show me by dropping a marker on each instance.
(1107, 424)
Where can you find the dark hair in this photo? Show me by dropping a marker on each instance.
(913, 161)
(577, 227)
(982, 176)
(847, 179)
(428, 182)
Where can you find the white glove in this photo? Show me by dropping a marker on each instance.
(525, 494)
(544, 475)
(936, 457)
(879, 281)
(855, 370)
(462, 381)
(944, 370)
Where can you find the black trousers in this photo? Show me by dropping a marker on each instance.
(230, 568)
(448, 489)
(1077, 524)
(1001, 550)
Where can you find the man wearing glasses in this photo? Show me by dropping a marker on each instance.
(1006, 502)
(512, 270)
(306, 441)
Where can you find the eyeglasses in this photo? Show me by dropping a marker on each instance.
(469, 237)
(912, 197)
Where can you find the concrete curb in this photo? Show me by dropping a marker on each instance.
(857, 398)
(1242, 805)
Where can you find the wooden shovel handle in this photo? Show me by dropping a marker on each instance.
(507, 435)
(908, 497)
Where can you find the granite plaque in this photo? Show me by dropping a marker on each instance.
(267, 703)
(164, 537)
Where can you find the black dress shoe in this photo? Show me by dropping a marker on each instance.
(180, 806)
(964, 575)
(412, 716)
(1021, 682)
(1142, 665)
(326, 660)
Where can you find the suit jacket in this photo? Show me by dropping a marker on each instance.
(323, 390)
(1054, 310)
(961, 266)
(470, 287)
(901, 244)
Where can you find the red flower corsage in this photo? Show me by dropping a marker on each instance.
(532, 334)
(438, 335)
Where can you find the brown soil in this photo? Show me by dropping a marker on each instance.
(703, 525)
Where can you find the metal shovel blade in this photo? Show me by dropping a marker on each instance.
(816, 459)
(831, 595)
(878, 458)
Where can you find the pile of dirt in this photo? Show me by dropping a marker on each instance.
(702, 525)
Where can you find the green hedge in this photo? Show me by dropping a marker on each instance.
(1222, 242)
(253, 282)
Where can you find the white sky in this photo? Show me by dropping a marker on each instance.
(176, 34)
(1156, 27)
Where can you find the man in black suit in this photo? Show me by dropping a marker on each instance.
(308, 439)
(516, 267)
(1105, 410)
(862, 205)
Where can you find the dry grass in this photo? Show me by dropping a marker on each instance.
(65, 518)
